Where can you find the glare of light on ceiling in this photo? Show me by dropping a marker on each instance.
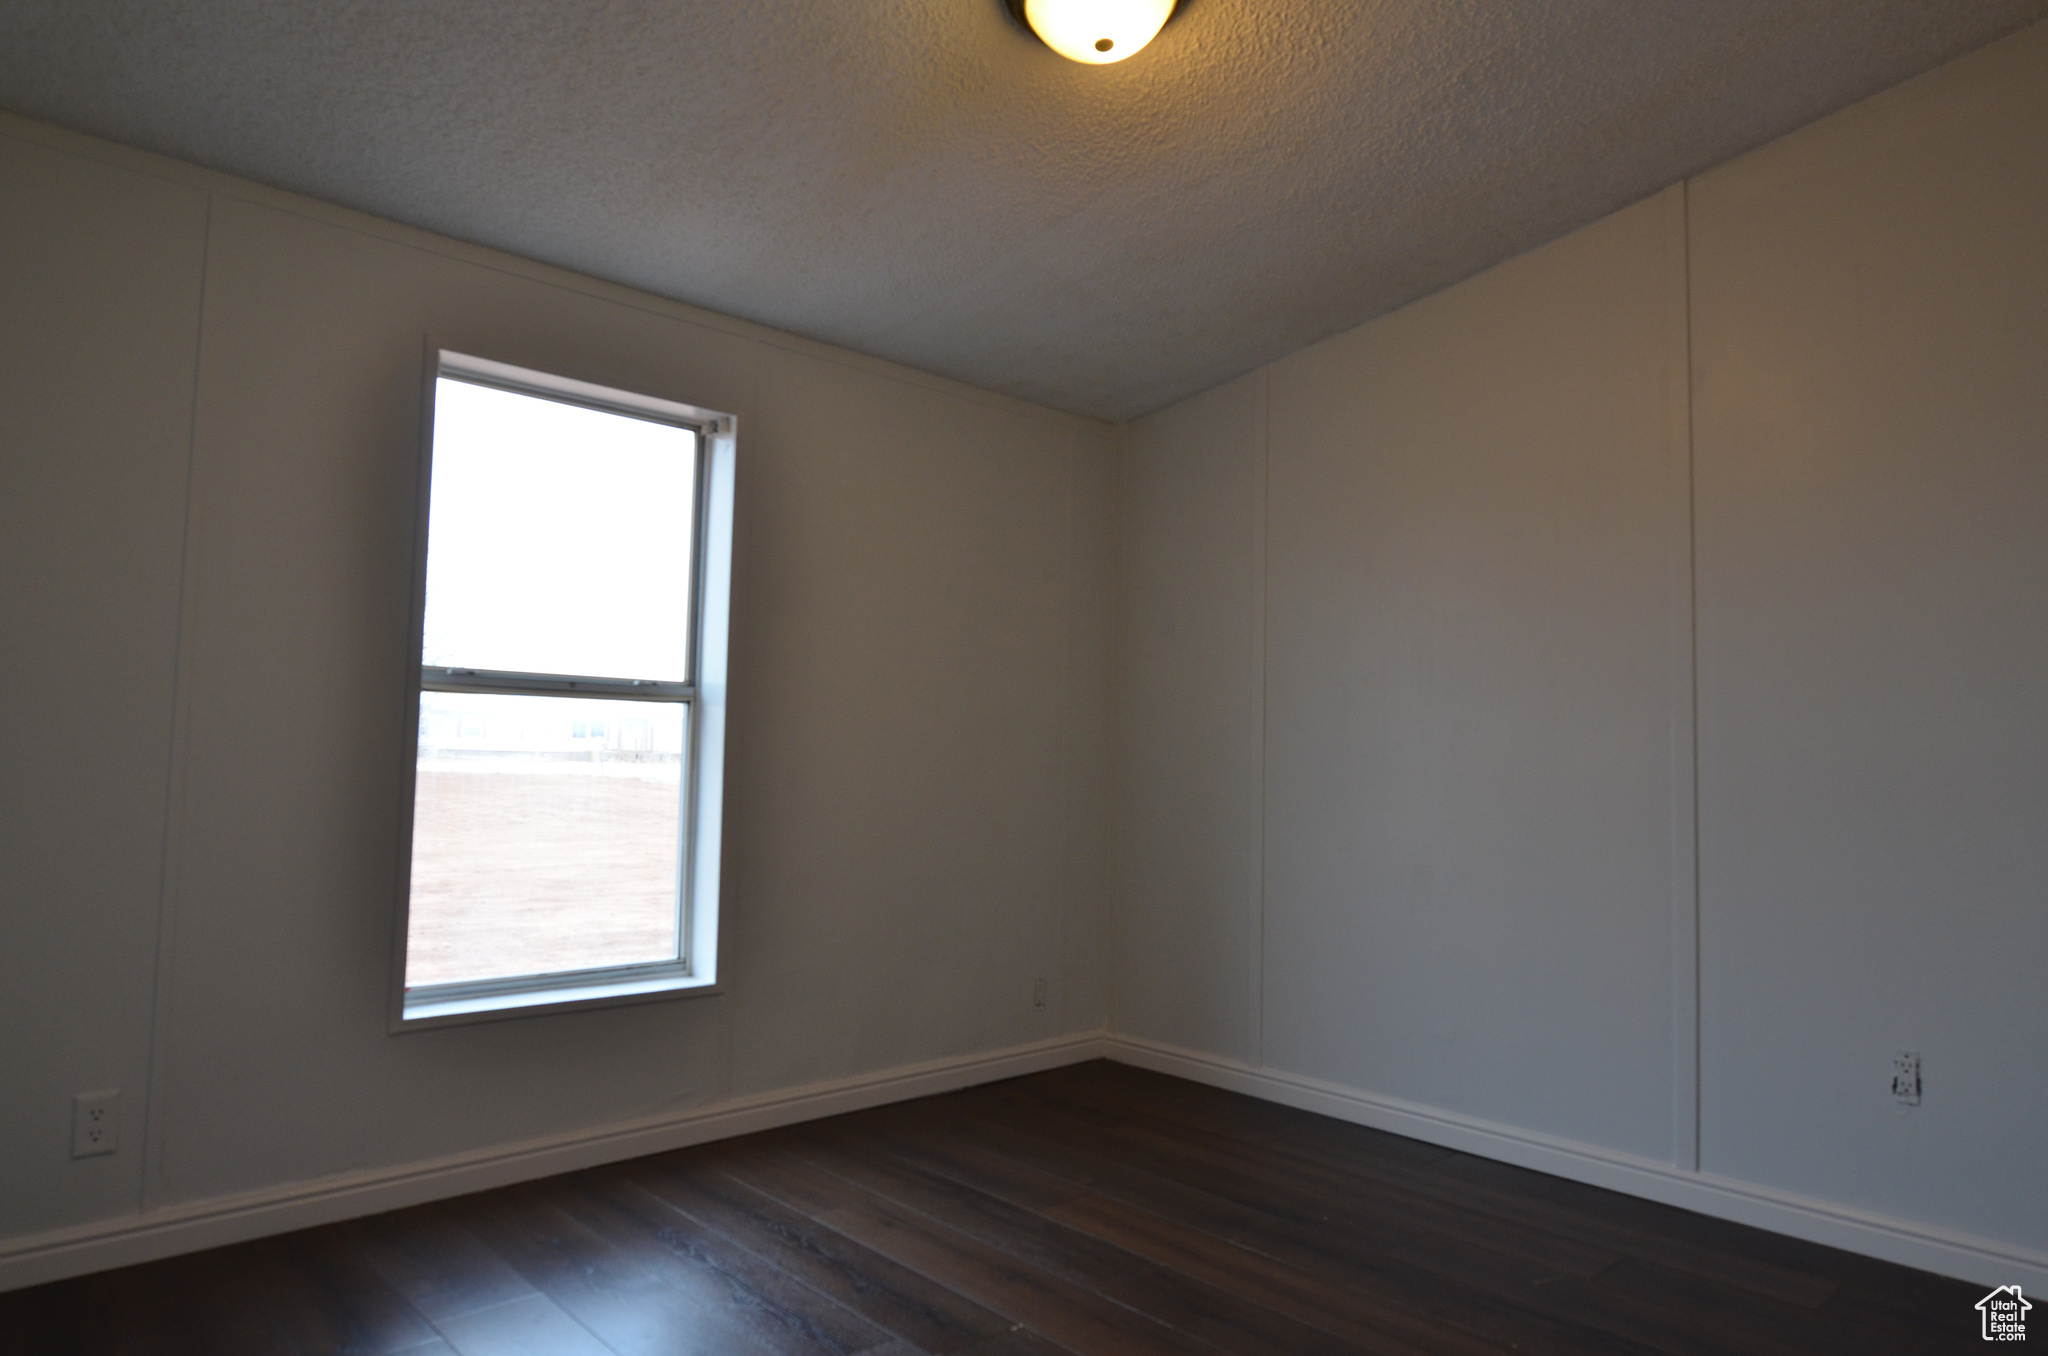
(1096, 31)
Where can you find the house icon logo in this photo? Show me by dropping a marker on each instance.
(2005, 1314)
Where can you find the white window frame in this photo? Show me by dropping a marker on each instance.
(703, 692)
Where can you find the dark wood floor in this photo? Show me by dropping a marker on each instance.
(1095, 1209)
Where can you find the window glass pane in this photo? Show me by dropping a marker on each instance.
(559, 538)
(546, 835)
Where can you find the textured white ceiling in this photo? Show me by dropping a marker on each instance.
(920, 180)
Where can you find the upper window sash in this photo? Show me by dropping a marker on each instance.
(456, 642)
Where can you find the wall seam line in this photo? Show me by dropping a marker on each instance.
(171, 857)
(1111, 936)
(1692, 675)
(1069, 881)
(1263, 527)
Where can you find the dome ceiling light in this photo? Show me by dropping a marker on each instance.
(1096, 32)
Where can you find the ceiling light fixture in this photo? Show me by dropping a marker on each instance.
(1093, 31)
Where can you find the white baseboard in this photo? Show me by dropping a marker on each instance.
(1946, 1252)
(75, 1251)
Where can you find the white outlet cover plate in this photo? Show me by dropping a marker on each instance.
(95, 1123)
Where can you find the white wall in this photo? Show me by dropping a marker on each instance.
(102, 278)
(207, 708)
(1446, 562)
(1188, 723)
(1468, 695)
(1870, 348)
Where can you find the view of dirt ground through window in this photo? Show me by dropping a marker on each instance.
(528, 867)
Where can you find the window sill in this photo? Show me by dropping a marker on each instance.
(449, 1009)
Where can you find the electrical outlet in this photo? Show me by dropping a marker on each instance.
(1038, 992)
(95, 1123)
(1906, 1077)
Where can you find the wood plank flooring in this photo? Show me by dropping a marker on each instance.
(1098, 1210)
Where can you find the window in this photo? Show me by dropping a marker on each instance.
(567, 769)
